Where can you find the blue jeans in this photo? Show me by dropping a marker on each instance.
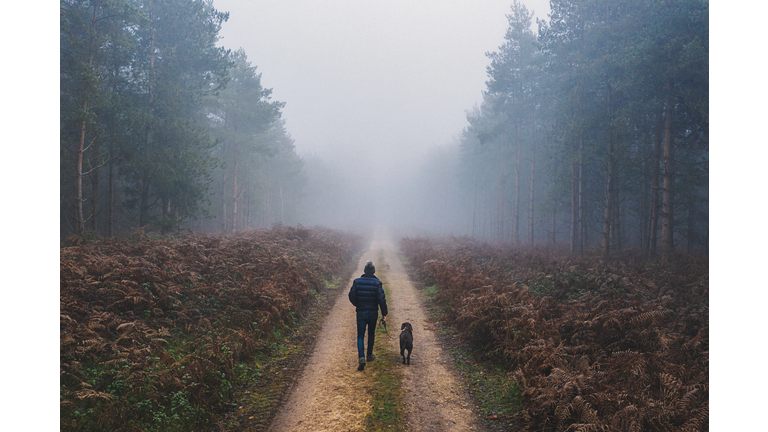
(366, 318)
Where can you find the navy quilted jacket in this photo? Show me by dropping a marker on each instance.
(367, 294)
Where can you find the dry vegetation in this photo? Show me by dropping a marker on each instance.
(592, 344)
(155, 334)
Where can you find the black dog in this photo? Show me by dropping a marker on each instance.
(406, 341)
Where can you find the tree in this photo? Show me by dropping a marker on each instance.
(242, 114)
(278, 178)
(90, 32)
(508, 108)
(616, 97)
(145, 95)
(168, 166)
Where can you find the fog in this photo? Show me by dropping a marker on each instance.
(375, 91)
(427, 117)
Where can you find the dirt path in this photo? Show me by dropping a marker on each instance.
(331, 393)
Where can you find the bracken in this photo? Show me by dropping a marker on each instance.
(151, 331)
(593, 344)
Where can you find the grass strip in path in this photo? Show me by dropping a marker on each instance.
(493, 391)
(386, 392)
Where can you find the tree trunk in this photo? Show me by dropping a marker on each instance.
(554, 218)
(223, 223)
(247, 196)
(235, 196)
(268, 214)
(80, 145)
(223, 204)
(485, 217)
(667, 211)
(111, 197)
(235, 192)
(533, 178)
(80, 220)
(581, 226)
(654, 222)
(474, 210)
(691, 234)
(111, 173)
(608, 217)
(248, 212)
(618, 220)
(95, 187)
(165, 205)
(607, 214)
(643, 209)
(144, 203)
(500, 198)
(574, 212)
(516, 227)
(114, 76)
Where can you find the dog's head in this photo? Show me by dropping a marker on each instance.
(406, 326)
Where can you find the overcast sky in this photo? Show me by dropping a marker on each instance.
(255, 27)
(379, 79)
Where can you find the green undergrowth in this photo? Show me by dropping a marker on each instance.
(386, 389)
(180, 334)
(265, 381)
(494, 392)
(594, 343)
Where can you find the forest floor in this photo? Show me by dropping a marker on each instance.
(330, 394)
(254, 332)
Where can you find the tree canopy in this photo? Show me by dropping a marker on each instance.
(610, 98)
(158, 123)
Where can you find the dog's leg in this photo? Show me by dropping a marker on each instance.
(402, 353)
(409, 358)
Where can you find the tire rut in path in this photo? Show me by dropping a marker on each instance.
(331, 395)
(434, 396)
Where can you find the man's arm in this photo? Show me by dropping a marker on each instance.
(353, 294)
(382, 300)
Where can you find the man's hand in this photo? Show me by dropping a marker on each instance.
(384, 318)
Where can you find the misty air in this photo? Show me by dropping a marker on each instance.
(384, 215)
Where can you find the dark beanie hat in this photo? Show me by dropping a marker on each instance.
(369, 268)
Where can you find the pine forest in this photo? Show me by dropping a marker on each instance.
(552, 257)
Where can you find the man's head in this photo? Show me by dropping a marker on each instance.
(369, 268)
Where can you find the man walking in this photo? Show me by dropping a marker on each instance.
(367, 295)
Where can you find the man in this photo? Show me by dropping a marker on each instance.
(367, 295)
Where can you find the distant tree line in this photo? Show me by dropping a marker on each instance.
(161, 128)
(595, 130)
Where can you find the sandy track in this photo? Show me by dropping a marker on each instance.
(331, 395)
(434, 396)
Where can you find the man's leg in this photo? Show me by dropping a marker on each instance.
(372, 332)
(361, 322)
